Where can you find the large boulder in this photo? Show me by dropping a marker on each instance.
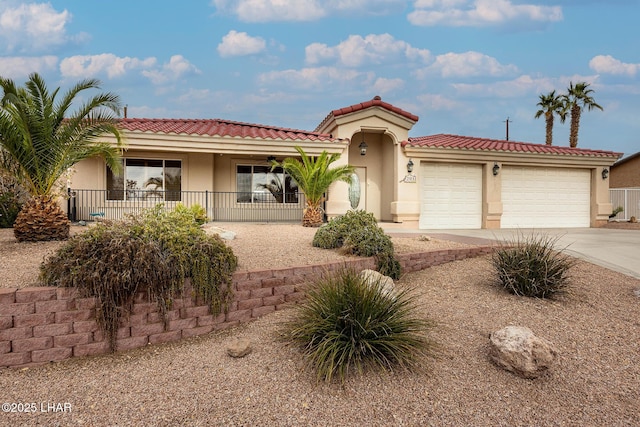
(519, 350)
(372, 277)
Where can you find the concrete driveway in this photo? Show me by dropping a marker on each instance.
(615, 249)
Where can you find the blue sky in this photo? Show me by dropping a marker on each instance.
(462, 66)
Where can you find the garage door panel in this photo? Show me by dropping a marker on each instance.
(545, 197)
(451, 196)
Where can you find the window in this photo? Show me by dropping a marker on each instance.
(146, 179)
(256, 184)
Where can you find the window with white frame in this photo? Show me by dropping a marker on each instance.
(258, 184)
(146, 179)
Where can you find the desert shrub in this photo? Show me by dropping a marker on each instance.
(532, 266)
(357, 233)
(153, 252)
(10, 205)
(346, 324)
(12, 197)
(197, 211)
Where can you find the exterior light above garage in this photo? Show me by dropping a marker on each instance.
(410, 166)
(496, 169)
(605, 173)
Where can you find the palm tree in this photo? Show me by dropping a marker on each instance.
(550, 105)
(578, 97)
(42, 145)
(313, 176)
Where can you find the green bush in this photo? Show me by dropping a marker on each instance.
(346, 324)
(153, 252)
(357, 233)
(532, 266)
(10, 206)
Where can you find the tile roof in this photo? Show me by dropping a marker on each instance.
(458, 142)
(375, 102)
(217, 127)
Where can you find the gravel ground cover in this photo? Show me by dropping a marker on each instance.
(596, 382)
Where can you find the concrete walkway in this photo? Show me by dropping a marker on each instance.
(618, 250)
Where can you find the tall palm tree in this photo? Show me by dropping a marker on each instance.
(577, 98)
(550, 105)
(313, 176)
(42, 144)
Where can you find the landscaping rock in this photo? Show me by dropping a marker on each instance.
(239, 347)
(371, 277)
(224, 234)
(519, 350)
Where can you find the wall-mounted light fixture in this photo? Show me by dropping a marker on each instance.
(605, 173)
(363, 146)
(271, 159)
(496, 169)
(410, 166)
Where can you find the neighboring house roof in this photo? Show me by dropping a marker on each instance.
(375, 102)
(457, 142)
(626, 159)
(222, 128)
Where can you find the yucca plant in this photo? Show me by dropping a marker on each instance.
(532, 266)
(347, 324)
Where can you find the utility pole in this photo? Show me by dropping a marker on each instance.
(507, 122)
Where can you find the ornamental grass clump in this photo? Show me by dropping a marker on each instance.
(152, 253)
(347, 324)
(357, 233)
(532, 266)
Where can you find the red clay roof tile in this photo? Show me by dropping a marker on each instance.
(223, 128)
(458, 142)
(375, 102)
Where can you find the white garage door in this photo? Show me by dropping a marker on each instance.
(450, 196)
(545, 197)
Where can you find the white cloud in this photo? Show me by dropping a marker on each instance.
(315, 78)
(383, 86)
(34, 26)
(435, 102)
(21, 66)
(240, 44)
(272, 10)
(303, 10)
(176, 68)
(518, 87)
(467, 64)
(372, 49)
(607, 64)
(107, 63)
(476, 13)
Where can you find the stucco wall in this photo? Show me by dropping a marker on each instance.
(625, 175)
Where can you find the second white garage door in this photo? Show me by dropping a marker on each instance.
(450, 196)
(545, 197)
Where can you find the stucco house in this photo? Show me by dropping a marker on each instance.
(625, 173)
(430, 182)
(624, 180)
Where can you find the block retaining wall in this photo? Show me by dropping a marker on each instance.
(39, 325)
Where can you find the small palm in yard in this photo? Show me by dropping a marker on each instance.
(314, 177)
(532, 266)
(39, 143)
(347, 324)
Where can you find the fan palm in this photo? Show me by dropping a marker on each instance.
(42, 145)
(313, 176)
(550, 105)
(578, 98)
